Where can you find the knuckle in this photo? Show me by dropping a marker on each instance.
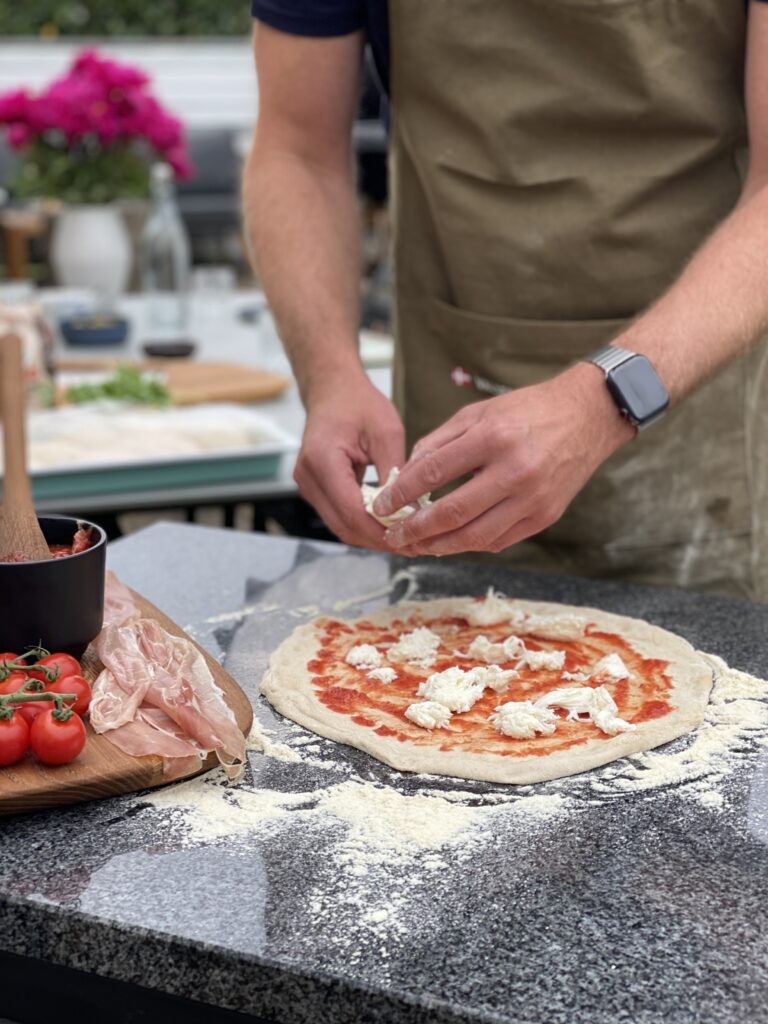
(475, 540)
(395, 492)
(555, 513)
(393, 431)
(528, 466)
(499, 434)
(548, 513)
(453, 514)
(431, 472)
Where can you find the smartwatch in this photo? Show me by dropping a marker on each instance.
(633, 384)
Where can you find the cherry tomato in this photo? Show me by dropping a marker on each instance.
(13, 682)
(65, 663)
(77, 685)
(54, 741)
(14, 739)
(30, 711)
(6, 656)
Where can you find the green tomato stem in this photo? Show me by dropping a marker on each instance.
(51, 674)
(7, 700)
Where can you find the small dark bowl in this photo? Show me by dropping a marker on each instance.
(169, 349)
(59, 603)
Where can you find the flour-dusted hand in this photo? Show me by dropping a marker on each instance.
(349, 427)
(528, 454)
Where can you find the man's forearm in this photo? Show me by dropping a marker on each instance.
(716, 309)
(302, 221)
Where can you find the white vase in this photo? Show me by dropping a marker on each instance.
(91, 248)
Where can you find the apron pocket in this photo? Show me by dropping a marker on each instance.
(514, 352)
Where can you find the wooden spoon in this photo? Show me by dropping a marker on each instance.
(20, 532)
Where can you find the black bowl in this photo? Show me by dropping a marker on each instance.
(58, 604)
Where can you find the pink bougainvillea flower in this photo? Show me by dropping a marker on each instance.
(90, 63)
(19, 135)
(97, 104)
(14, 106)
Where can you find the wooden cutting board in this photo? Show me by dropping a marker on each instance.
(191, 383)
(102, 769)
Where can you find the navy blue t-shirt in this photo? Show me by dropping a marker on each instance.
(333, 18)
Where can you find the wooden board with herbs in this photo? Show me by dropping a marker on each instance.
(192, 382)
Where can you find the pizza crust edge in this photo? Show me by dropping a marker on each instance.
(287, 684)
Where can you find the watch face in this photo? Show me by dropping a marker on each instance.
(638, 391)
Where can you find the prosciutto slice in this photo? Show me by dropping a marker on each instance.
(156, 694)
(119, 605)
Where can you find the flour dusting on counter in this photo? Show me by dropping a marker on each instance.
(377, 824)
(735, 724)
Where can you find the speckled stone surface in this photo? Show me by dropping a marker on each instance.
(628, 907)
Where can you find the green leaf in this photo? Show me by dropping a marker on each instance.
(127, 384)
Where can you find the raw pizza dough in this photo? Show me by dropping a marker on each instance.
(288, 686)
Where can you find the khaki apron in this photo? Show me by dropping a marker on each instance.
(555, 163)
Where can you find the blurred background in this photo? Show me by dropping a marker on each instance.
(156, 382)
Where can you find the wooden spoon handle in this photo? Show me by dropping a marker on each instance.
(17, 489)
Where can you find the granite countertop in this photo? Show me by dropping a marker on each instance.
(328, 888)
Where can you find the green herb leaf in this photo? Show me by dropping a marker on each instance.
(127, 384)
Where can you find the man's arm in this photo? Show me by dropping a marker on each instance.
(302, 219)
(530, 452)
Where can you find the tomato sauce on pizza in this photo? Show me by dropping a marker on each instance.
(381, 707)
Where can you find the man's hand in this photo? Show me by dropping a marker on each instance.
(350, 426)
(529, 452)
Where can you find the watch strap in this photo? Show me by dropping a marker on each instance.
(609, 357)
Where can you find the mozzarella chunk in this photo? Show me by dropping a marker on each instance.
(542, 661)
(604, 713)
(594, 702)
(522, 720)
(494, 677)
(428, 714)
(576, 700)
(611, 669)
(492, 610)
(455, 688)
(513, 647)
(417, 648)
(370, 494)
(364, 656)
(575, 677)
(383, 675)
(483, 649)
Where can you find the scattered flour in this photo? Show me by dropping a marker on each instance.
(212, 810)
(377, 829)
(735, 722)
(258, 739)
(241, 613)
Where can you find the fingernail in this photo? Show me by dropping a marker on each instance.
(433, 549)
(394, 537)
(383, 505)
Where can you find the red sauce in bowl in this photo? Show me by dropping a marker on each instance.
(82, 540)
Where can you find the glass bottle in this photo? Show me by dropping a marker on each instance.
(165, 261)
